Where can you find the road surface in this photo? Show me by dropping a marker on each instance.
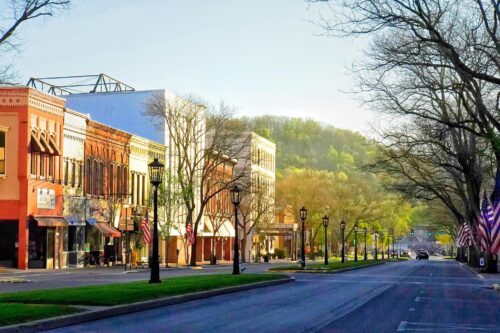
(413, 296)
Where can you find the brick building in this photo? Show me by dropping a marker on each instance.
(32, 226)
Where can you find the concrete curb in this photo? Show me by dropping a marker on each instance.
(318, 271)
(117, 310)
(471, 269)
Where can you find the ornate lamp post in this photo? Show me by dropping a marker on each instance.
(376, 243)
(155, 178)
(365, 255)
(236, 199)
(325, 224)
(303, 216)
(342, 230)
(356, 242)
(294, 245)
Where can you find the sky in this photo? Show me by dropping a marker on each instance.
(262, 56)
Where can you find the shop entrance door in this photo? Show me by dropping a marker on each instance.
(50, 248)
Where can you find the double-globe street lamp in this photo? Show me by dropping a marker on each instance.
(356, 242)
(236, 199)
(325, 224)
(342, 230)
(303, 216)
(155, 178)
(365, 255)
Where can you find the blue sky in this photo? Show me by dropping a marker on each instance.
(263, 56)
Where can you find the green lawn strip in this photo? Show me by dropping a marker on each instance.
(13, 313)
(130, 292)
(333, 266)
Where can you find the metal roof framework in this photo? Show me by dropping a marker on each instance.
(78, 84)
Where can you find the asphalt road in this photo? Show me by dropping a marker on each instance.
(428, 296)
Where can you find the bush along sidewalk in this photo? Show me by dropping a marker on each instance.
(20, 307)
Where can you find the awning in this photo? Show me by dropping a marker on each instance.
(74, 221)
(225, 230)
(107, 230)
(54, 146)
(50, 221)
(46, 145)
(36, 145)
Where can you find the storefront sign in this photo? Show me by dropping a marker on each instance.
(481, 262)
(46, 198)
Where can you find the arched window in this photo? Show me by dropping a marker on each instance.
(125, 182)
(118, 180)
(111, 182)
(95, 177)
(88, 177)
(101, 179)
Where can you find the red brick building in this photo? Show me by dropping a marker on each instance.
(31, 139)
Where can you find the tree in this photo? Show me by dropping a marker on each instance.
(196, 133)
(21, 11)
(256, 212)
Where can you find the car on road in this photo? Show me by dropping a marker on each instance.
(406, 254)
(422, 254)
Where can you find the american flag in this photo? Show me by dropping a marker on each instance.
(486, 217)
(494, 227)
(189, 233)
(146, 234)
(464, 237)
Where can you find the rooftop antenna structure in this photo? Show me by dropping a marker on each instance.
(78, 84)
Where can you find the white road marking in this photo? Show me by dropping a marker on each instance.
(417, 299)
(406, 326)
(412, 309)
(456, 300)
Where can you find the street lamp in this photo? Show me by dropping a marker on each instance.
(365, 231)
(356, 242)
(325, 224)
(294, 245)
(303, 216)
(342, 229)
(236, 199)
(155, 178)
(376, 242)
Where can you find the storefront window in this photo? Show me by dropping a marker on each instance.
(76, 238)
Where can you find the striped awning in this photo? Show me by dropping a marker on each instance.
(107, 230)
(36, 145)
(50, 221)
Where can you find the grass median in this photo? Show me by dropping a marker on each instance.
(131, 292)
(14, 313)
(334, 265)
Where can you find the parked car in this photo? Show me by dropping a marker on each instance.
(422, 254)
(406, 254)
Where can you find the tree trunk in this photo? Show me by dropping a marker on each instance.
(243, 249)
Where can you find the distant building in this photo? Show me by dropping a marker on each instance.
(261, 171)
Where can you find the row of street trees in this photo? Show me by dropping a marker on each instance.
(432, 67)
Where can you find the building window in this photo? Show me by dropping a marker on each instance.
(51, 166)
(143, 190)
(95, 178)
(111, 190)
(2, 153)
(66, 172)
(42, 165)
(101, 178)
(88, 174)
(80, 174)
(73, 173)
(118, 180)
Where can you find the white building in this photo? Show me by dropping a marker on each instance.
(261, 171)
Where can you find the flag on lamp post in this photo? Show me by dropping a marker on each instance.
(146, 233)
(190, 234)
